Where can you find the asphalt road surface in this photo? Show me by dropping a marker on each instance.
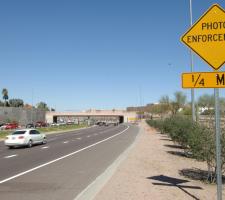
(63, 167)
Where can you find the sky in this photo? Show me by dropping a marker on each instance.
(99, 54)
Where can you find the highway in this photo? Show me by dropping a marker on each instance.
(63, 167)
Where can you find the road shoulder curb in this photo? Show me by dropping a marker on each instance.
(94, 188)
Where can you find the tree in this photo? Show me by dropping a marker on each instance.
(164, 103)
(1, 103)
(180, 98)
(16, 103)
(42, 106)
(206, 101)
(5, 95)
(179, 101)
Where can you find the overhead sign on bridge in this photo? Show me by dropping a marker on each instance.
(207, 37)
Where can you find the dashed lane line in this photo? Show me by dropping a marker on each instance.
(45, 147)
(63, 157)
(11, 156)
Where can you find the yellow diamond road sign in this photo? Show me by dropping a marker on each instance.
(207, 37)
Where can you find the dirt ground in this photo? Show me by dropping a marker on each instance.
(151, 171)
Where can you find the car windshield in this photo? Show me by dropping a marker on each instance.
(18, 132)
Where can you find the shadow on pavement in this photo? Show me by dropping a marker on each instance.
(197, 174)
(166, 139)
(174, 182)
(179, 153)
(173, 146)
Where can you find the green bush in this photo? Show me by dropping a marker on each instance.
(196, 139)
(178, 128)
(158, 124)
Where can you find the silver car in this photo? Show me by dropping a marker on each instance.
(25, 137)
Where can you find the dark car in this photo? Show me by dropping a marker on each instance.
(101, 124)
(30, 125)
(41, 124)
(2, 124)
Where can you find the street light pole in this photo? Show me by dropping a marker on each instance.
(192, 70)
(32, 119)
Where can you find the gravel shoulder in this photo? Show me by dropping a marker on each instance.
(151, 172)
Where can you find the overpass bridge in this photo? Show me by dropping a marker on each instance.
(95, 115)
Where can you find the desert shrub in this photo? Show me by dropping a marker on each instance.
(179, 128)
(196, 139)
(158, 124)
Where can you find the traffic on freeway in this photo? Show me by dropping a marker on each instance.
(65, 165)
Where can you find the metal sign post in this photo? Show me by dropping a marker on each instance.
(192, 70)
(218, 145)
(206, 38)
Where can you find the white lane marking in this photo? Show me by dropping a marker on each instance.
(11, 156)
(65, 142)
(58, 159)
(93, 188)
(79, 138)
(45, 147)
(88, 136)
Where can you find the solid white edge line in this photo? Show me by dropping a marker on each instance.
(91, 191)
(53, 161)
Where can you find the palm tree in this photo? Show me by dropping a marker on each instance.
(5, 95)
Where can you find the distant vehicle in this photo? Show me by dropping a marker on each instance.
(30, 125)
(2, 126)
(10, 126)
(102, 123)
(58, 124)
(25, 137)
(61, 123)
(41, 124)
(53, 124)
(69, 123)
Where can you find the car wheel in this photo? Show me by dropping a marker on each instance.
(10, 147)
(44, 141)
(30, 144)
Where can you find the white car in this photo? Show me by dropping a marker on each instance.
(25, 137)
